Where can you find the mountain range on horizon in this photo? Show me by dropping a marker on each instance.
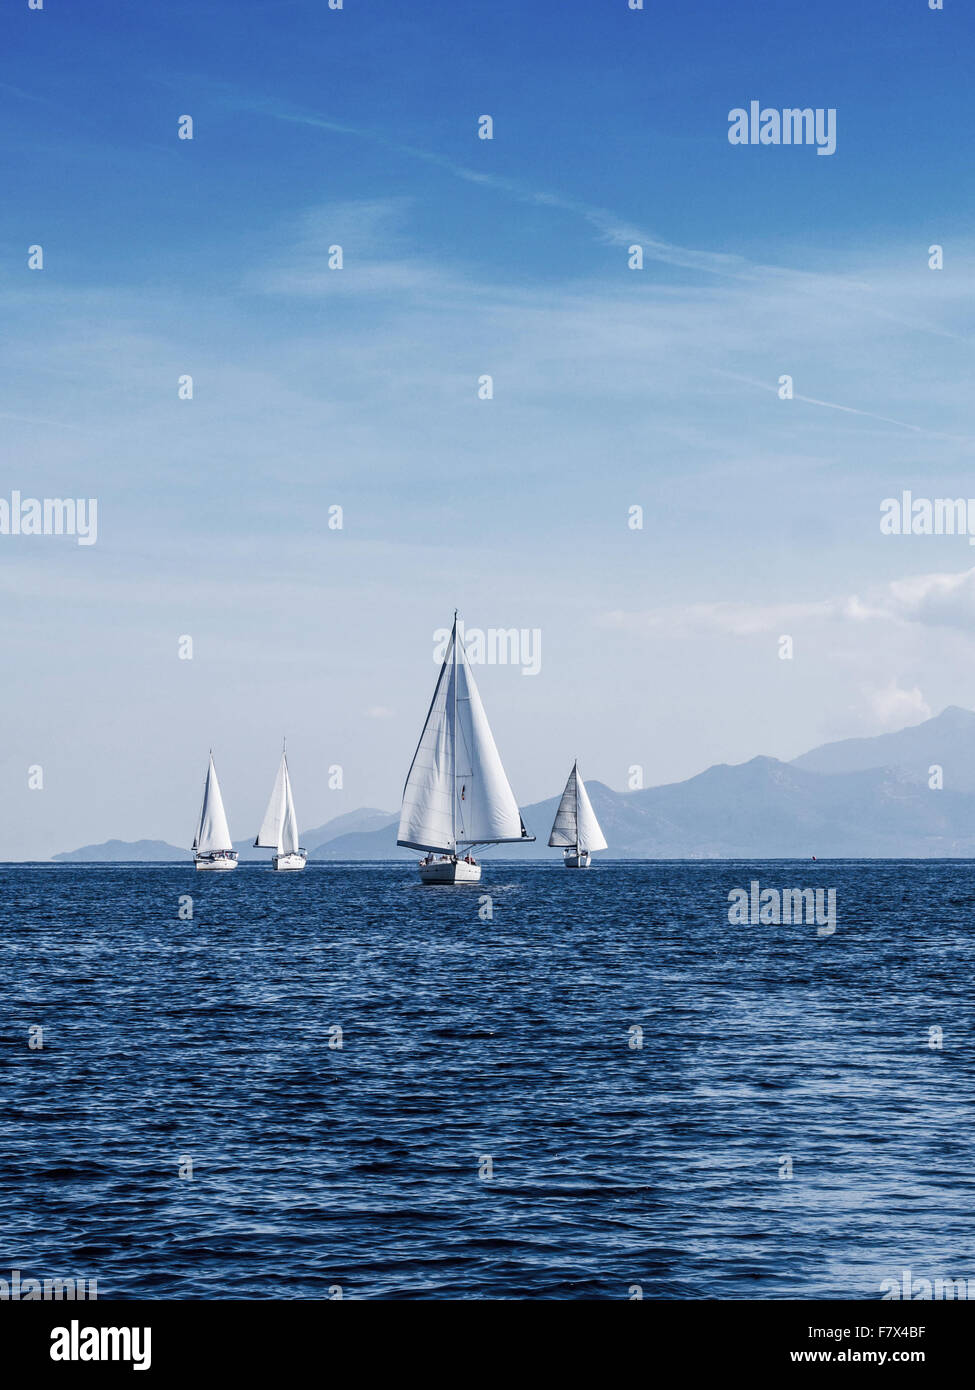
(855, 798)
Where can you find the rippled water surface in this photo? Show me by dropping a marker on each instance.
(613, 1165)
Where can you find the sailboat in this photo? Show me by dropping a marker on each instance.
(279, 829)
(212, 847)
(575, 829)
(457, 794)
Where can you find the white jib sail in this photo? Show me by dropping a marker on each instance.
(575, 823)
(289, 826)
(426, 819)
(212, 831)
(456, 791)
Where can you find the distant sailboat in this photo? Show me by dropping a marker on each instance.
(575, 829)
(212, 844)
(279, 830)
(457, 793)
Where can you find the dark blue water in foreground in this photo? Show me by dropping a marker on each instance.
(613, 1166)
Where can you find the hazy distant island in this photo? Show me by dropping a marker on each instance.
(909, 794)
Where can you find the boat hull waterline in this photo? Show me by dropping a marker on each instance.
(288, 861)
(582, 860)
(219, 863)
(449, 870)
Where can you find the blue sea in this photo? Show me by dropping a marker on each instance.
(590, 1086)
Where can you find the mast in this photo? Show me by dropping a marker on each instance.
(453, 749)
(575, 769)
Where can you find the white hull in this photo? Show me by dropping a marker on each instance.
(578, 861)
(449, 870)
(288, 861)
(219, 864)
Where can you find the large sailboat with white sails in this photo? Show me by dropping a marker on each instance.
(212, 846)
(457, 795)
(576, 831)
(279, 829)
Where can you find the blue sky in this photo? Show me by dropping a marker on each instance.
(358, 387)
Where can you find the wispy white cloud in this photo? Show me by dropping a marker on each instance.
(936, 600)
(737, 619)
(849, 409)
(377, 258)
(610, 225)
(930, 600)
(866, 296)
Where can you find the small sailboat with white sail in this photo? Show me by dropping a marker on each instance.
(279, 829)
(457, 796)
(212, 846)
(576, 830)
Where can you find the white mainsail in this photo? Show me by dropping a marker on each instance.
(575, 823)
(279, 828)
(456, 792)
(212, 832)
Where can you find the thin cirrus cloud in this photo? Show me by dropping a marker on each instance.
(613, 228)
(859, 291)
(372, 234)
(929, 600)
(633, 337)
(849, 409)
